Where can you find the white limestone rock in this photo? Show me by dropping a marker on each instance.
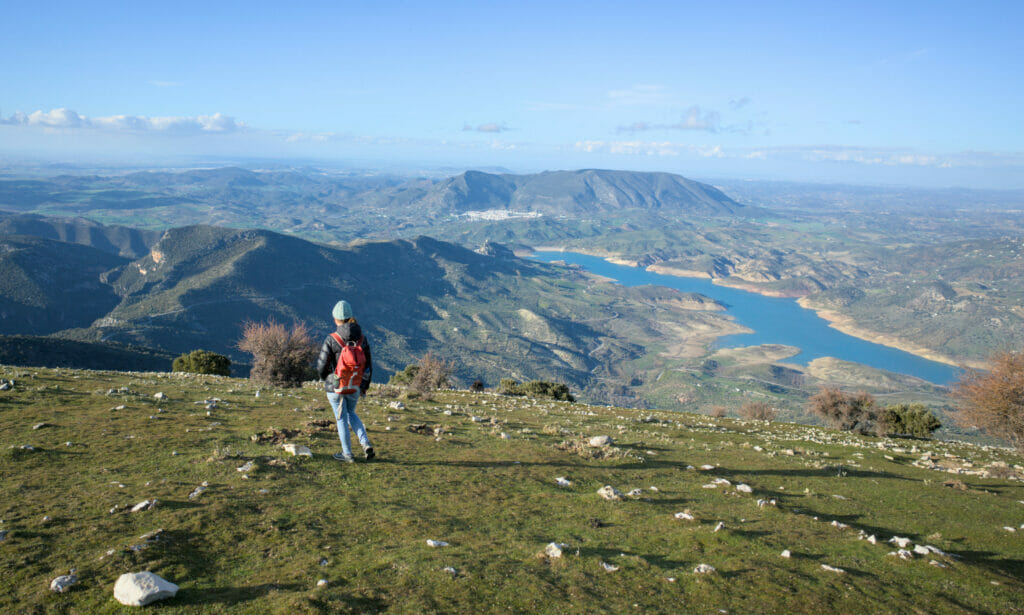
(554, 549)
(684, 516)
(609, 567)
(64, 582)
(297, 449)
(562, 481)
(436, 543)
(786, 554)
(832, 569)
(142, 588)
(599, 441)
(704, 569)
(144, 505)
(744, 488)
(160, 396)
(609, 493)
(900, 541)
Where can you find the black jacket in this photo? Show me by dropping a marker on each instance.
(349, 332)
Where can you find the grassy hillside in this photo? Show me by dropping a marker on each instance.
(258, 540)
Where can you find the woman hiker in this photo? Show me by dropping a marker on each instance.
(344, 395)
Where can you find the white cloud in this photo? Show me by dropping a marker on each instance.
(218, 123)
(492, 127)
(639, 95)
(163, 84)
(693, 119)
(650, 148)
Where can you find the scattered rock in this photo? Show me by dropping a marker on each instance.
(6, 385)
(599, 441)
(321, 583)
(274, 436)
(144, 505)
(141, 588)
(160, 397)
(937, 564)
(450, 571)
(902, 554)
(704, 569)
(609, 567)
(396, 405)
(839, 525)
(561, 481)
(554, 550)
(436, 543)
(707, 466)
(64, 582)
(832, 569)
(609, 493)
(198, 491)
(900, 542)
(744, 488)
(686, 515)
(297, 449)
(40, 425)
(719, 526)
(3, 535)
(635, 493)
(786, 554)
(921, 550)
(248, 466)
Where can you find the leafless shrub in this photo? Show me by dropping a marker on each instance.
(281, 357)
(718, 412)
(433, 374)
(993, 400)
(844, 411)
(757, 411)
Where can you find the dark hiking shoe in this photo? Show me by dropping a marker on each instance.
(370, 454)
(344, 457)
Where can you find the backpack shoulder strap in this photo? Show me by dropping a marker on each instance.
(338, 339)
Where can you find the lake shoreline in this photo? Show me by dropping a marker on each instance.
(838, 321)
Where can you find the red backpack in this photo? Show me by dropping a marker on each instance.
(350, 366)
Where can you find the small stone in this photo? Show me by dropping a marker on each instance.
(609, 493)
(704, 569)
(900, 542)
(720, 526)
(505, 436)
(921, 550)
(160, 397)
(685, 515)
(246, 467)
(436, 543)
(321, 583)
(786, 554)
(323, 561)
(609, 567)
(144, 505)
(832, 569)
(561, 481)
(599, 441)
(396, 405)
(635, 493)
(141, 588)
(450, 570)
(198, 491)
(744, 488)
(937, 564)
(63, 583)
(40, 425)
(554, 550)
(707, 466)
(297, 449)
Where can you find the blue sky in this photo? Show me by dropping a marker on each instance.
(920, 93)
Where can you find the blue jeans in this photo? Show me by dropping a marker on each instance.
(344, 407)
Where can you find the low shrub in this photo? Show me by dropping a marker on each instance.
(202, 362)
(849, 412)
(281, 357)
(757, 411)
(908, 420)
(535, 388)
(477, 386)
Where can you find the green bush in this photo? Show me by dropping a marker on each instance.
(406, 376)
(535, 388)
(908, 419)
(202, 362)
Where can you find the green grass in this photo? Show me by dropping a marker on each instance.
(254, 545)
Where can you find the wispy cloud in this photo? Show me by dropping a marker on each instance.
(639, 95)
(738, 103)
(163, 84)
(492, 127)
(649, 148)
(63, 118)
(693, 119)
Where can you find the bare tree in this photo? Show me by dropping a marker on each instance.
(993, 400)
(281, 356)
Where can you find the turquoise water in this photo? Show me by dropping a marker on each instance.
(774, 321)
